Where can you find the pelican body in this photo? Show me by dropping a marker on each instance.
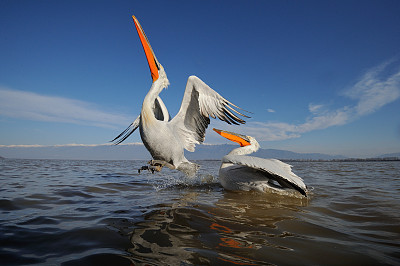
(239, 172)
(166, 138)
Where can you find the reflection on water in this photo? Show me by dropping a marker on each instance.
(104, 213)
(230, 230)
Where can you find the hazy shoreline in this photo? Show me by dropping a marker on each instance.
(386, 159)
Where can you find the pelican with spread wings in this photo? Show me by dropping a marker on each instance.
(166, 138)
(239, 172)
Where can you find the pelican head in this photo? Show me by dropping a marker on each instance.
(247, 144)
(157, 71)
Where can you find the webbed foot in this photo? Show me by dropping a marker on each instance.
(160, 164)
(155, 166)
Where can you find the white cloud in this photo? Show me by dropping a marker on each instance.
(33, 106)
(374, 90)
(333, 118)
(314, 108)
(270, 110)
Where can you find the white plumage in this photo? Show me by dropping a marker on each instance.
(166, 138)
(241, 172)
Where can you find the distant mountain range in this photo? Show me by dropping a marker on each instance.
(218, 151)
(139, 152)
(389, 155)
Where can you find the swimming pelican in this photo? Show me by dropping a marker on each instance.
(166, 138)
(240, 172)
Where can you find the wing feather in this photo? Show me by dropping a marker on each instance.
(199, 103)
(160, 110)
(127, 132)
(277, 169)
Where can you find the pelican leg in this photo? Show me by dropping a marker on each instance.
(159, 164)
(155, 166)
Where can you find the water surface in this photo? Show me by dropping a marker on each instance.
(104, 213)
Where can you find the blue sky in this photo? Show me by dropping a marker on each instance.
(318, 76)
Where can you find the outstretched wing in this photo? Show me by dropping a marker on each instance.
(199, 103)
(280, 171)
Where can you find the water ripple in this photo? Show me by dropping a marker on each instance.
(104, 213)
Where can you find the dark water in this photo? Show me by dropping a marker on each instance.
(56, 212)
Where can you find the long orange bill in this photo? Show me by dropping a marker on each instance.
(241, 139)
(151, 58)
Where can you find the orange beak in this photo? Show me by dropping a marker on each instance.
(151, 58)
(241, 139)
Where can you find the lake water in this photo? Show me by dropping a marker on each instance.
(55, 212)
